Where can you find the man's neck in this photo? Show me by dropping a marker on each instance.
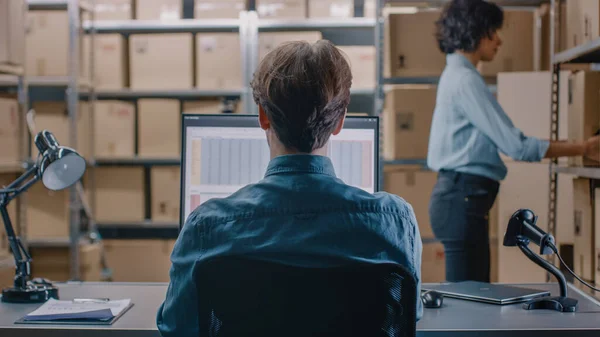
(277, 149)
(474, 58)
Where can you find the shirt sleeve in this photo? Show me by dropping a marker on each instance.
(178, 315)
(483, 110)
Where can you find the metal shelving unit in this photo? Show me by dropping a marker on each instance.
(588, 54)
(136, 162)
(139, 230)
(130, 94)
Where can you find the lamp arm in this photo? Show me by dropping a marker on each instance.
(22, 258)
(562, 282)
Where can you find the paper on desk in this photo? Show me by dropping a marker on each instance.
(55, 310)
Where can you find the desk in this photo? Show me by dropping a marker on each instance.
(456, 318)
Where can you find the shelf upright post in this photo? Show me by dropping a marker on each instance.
(72, 106)
(379, 98)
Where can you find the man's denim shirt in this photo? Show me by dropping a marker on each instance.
(299, 214)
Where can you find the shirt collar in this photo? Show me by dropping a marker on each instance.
(458, 60)
(300, 163)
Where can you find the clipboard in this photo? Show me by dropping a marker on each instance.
(81, 321)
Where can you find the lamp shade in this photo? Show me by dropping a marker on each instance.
(60, 166)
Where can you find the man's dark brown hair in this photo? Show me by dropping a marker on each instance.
(304, 90)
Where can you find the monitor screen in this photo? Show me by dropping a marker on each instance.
(223, 153)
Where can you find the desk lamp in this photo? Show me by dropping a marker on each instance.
(58, 167)
(522, 230)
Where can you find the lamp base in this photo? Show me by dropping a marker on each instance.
(557, 303)
(31, 294)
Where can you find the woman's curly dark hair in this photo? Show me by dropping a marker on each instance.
(464, 23)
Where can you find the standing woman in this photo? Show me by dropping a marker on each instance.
(469, 128)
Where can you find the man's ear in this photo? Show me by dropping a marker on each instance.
(262, 119)
(340, 125)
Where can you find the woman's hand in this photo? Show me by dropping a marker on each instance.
(592, 148)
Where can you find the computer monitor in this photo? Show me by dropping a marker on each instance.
(223, 153)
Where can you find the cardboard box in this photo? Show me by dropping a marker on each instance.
(47, 213)
(362, 64)
(47, 44)
(218, 65)
(113, 10)
(53, 263)
(53, 116)
(269, 41)
(526, 186)
(12, 31)
(165, 193)
(583, 18)
(218, 9)
(159, 123)
(161, 61)
(9, 131)
(516, 52)
(211, 107)
(119, 194)
(110, 61)
(114, 134)
(584, 111)
(331, 8)
(151, 259)
(544, 13)
(290, 9)
(415, 186)
(158, 10)
(433, 263)
(526, 98)
(7, 273)
(407, 121)
(413, 49)
(584, 230)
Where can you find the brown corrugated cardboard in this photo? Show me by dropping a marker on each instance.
(331, 8)
(525, 97)
(494, 260)
(433, 263)
(53, 263)
(110, 71)
(114, 123)
(413, 48)
(516, 52)
(291, 9)
(165, 193)
(159, 128)
(211, 107)
(218, 9)
(158, 10)
(526, 186)
(47, 213)
(584, 254)
(407, 121)
(161, 61)
(269, 41)
(544, 12)
(7, 273)
(9, 131)
(53, 116)
(584, 111)
(151, 259)
(119, 194)
(12, 32)
(597, 234)
(113, 9)
(415, 187)
(218, 65)
(583, 18)
(362, 64)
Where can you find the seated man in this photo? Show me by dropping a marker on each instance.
(300, 210)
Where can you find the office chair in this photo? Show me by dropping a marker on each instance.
(244, 297)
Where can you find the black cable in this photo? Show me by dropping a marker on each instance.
(553, 247)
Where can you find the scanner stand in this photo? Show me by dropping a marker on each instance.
(558, 303)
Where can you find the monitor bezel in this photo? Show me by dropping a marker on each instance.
(247, 120)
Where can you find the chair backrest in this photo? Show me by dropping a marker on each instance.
(246, 297)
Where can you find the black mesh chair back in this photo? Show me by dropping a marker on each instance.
(245, 297)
